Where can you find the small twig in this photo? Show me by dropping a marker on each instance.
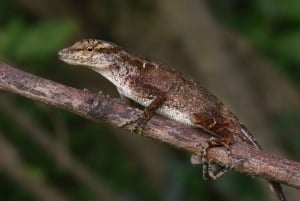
(245, 158)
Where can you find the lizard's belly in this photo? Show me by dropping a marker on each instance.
(166, 111)
(175, 114)
(169, 112)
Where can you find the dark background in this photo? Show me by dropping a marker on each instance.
(245, 52)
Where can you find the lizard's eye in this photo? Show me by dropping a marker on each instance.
(90, 48)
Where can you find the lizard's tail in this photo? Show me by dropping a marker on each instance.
(274, 185)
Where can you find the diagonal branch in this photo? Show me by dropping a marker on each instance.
(245, 158)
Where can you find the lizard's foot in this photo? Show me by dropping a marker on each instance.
(140, 124)
(201, 158)
(216, 170)
(136, 125)
(211, 168)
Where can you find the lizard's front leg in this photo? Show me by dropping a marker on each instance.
(157, 98)
(149, 111)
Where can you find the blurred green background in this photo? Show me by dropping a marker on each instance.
(245, 52)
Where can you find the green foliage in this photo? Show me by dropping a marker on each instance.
(271, 25)
(30, 43)
(7, 11)
(287, 10)
(287, 127)
(33, 44)
(287, 46)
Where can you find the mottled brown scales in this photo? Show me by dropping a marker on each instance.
(161, 90)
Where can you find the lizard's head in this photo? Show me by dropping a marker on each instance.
(96, 54)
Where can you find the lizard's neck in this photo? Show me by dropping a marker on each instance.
(116, 73)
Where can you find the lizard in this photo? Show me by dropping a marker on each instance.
(164, 91)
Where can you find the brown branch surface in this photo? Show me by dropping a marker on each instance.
(245, 158)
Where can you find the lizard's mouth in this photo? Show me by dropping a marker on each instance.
(72, 57)
(65, 57)
(61, 54)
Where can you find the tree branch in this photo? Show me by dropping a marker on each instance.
(245, 158)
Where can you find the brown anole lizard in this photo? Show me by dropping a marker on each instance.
(162, 90)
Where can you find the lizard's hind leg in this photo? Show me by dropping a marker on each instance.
(222, 136)
(201, 158)
(210, 168)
